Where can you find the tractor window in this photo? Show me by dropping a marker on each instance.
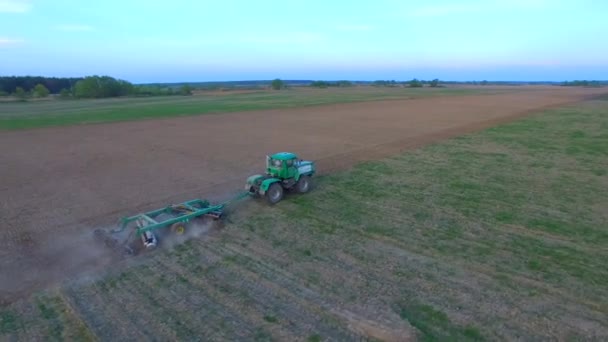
(290, 162)
(276, 163)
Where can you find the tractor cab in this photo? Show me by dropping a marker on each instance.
(282, 165)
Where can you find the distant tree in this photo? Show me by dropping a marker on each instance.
(20, 94)
(87, 88)
(325, 84)
(344, 83)
(158, 90)
(64, 94)
(213, 86)
(185, 90)
(277, 84)
(125, 88)
(434, 83)
(40, 91)
(320, 84)
(416, 84)
(383, 83)
(147, 90)
(484, 82)
(102, 86)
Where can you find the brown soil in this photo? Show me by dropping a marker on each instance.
(58, 184)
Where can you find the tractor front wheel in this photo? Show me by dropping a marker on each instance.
(303, 184)
(274, 194)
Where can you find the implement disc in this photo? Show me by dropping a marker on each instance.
(178, 228)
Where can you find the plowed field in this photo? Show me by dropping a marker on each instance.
(494, 235)
(57, 183)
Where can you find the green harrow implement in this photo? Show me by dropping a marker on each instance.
(175, 216)
(284, 172)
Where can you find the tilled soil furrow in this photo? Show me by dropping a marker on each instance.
(196, 308)
(303, 318)
(341, 275)
(91, 309)
(111, 314)
(243, 295)
(234, 298)
(484, 267)
(318, 297)
(461, 296)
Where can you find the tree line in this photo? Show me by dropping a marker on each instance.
(326, 84)
(414, 83)
(88, 87)
(278, 84)
(8, 84)
(583, 83)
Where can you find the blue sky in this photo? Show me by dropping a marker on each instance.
(178, 40)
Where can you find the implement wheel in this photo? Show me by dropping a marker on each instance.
(274, 194)
(303, 184)
(178, 228)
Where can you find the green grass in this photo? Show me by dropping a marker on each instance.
(23, 115)
(9, 321)
(314, 338)
(435, 325)
(270, 319)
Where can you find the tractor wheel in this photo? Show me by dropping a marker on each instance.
(254, 192)
(275, 193)
(303, 184)
(178, 228)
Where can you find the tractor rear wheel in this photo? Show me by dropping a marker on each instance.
(274, 194)
(303, 184)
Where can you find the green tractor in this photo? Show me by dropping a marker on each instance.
(284, 171)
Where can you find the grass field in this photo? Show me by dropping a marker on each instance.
(21, 115)
(496, 235)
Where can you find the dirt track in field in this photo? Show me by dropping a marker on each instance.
(58, 184)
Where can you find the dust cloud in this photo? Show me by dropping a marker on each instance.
(45, 263)
(79, 257)
(195, 229)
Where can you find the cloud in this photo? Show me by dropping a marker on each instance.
(354, 28)
(440, 10)
(74, 28)
(15, 6)
(9, 41)
(476, 7)
(283, 38)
